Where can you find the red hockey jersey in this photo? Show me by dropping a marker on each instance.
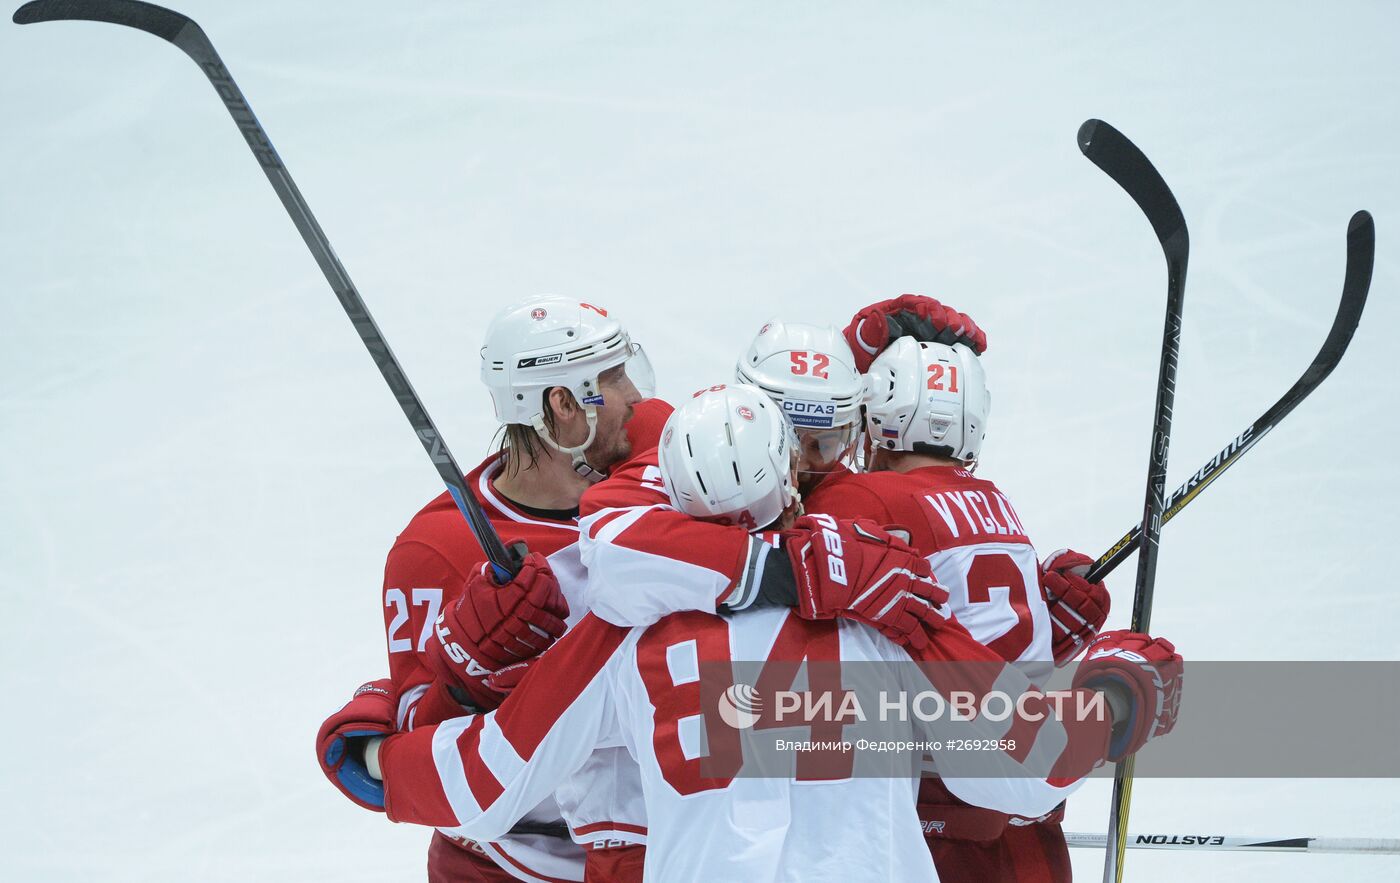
(427, 567)
(971, 536)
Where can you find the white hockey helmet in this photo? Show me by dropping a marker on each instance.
(930, 398)
(728, 455)
(810, 372)
(547, 341)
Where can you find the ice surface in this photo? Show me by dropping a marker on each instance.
(202, 470)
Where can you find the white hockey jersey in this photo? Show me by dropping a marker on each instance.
(605, 686)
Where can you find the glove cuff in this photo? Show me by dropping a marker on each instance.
(345, 756)
(768, 580)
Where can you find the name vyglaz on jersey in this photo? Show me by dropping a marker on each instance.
(975, 513)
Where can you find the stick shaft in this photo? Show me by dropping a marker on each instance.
(1121, 160)
(1228, 843)
(1361, 249)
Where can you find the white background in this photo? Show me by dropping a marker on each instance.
(203, 471)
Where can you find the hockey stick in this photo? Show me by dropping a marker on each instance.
(1108, 149)
(1361, 252)
(1226, 843)
(190, 39)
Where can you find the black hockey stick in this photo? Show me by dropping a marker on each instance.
(1361, 252)
(1228, 843)
(190, 39)
(1108, 149)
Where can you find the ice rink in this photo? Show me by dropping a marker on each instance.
(203, 471)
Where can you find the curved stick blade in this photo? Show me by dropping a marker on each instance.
(1121, 160)
(1361, 259)
(164, 23)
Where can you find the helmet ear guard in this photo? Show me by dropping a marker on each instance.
(576, 452)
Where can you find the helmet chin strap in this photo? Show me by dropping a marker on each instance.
(586, 472)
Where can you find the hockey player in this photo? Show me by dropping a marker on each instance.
(566, 423)
(726, 456)
(926, 416)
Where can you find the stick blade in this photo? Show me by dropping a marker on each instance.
(1121, 160)
(164, 23)
(1361, 242)
(1361, 259)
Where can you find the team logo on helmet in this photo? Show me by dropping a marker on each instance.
(764, 329)
(745, 412)
(666, 439)
(538, 313)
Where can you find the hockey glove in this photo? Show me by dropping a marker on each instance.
(340, 743)
(492, 626)
(508, 678)
(857, 570)
(1078, 608)
(1142, 676)
(909, 315)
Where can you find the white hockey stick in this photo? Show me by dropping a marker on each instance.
(1217, 842)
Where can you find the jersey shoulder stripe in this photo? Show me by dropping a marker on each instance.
(575, 661)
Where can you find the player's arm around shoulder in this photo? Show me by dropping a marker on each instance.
(647, 560)
(1125, 694)
(1022, 764)
(482, 773)
(452, 771)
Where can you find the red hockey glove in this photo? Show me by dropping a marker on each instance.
(508, 678)
(1078, 608)
(858, 570)
(493, 626)
(1143, 674)
(340, 743)
(909, 315)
